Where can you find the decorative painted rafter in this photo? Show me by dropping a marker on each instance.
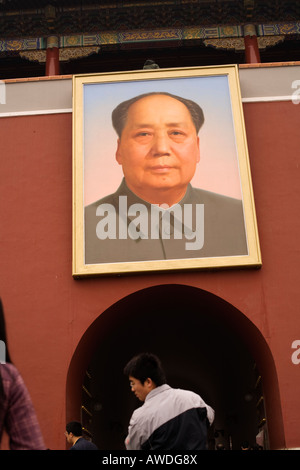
(142, 36)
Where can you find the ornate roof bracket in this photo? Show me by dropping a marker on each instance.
(238, 44)
(65, 54)
(78, 46)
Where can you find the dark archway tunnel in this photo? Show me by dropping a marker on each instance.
(205, 345)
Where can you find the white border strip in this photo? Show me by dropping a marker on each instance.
(257, 99)
(36, 112)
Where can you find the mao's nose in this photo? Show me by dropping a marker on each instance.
(160, 144)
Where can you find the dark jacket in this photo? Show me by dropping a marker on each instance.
(221, 231)
(170, 419)
(83, 444)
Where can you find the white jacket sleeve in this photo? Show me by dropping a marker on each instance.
(133, 439)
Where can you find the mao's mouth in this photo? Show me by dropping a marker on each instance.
(161, 168)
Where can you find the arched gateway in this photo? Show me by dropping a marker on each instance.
(205, 344)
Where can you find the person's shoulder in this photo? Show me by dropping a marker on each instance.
(88, 445)
(184, 392)
(12, 378)
(188, 395)
(84, 444)
(9, 370)
(109, 199)
(203, 195)
(138, 414)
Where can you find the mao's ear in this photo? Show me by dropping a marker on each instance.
(198, 145)
(119, 153)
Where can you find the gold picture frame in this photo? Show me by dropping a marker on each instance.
(223, 170)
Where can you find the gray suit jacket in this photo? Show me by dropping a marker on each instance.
(211, 225)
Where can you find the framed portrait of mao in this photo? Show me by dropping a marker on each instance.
(161, 173)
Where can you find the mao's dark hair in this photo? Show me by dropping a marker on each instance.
(119, 114)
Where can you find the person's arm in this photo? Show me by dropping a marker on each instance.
(21, 421)
(210, 414)
(133, 439)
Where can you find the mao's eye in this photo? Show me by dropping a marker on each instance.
(177, 135)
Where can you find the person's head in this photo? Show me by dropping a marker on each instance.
(245, 445)
(158, 144)
(220, 446)
(73, 431)
(145, 373)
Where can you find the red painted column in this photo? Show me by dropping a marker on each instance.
(52, 56)
(252, 54)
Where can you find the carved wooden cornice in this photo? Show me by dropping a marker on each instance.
(227, 37)
(214, 35)
(65, 54)
(238, 44)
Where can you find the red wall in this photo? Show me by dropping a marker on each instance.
(48, 311)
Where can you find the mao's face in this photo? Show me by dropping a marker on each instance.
(158, 149)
